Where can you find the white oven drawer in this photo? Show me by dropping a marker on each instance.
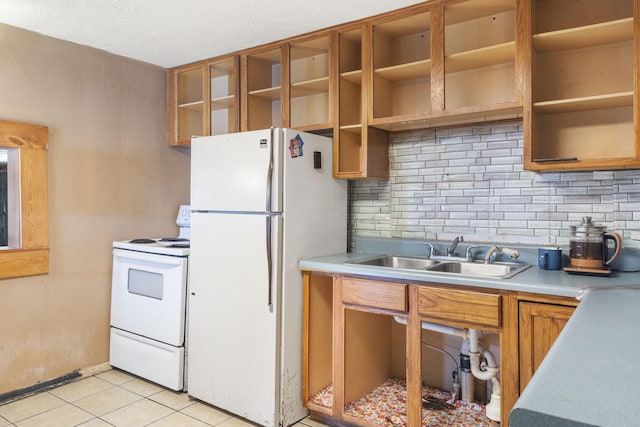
(155, 361)
(148, 294)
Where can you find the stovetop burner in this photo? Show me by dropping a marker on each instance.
(176, 246)
(140, 241)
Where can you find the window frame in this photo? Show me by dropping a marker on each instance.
(32, 257)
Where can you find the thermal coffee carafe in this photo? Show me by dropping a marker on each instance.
(588, 245)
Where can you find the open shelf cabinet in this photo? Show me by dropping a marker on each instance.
(360, 151)
(583, 109)
(225, 96)
(479, 54)
(309, 68)
(187, 100)
(204, 100)
(318, 342)
(262, 98)
(445, 63)
(400, 50)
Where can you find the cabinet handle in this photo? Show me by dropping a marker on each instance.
(556, 159)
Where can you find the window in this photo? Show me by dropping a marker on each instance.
(26, 249)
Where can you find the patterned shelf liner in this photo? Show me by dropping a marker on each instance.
(386, 406)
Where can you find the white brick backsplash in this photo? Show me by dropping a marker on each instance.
(470, 181)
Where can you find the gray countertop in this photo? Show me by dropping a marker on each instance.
(589, 376)
(549, 282)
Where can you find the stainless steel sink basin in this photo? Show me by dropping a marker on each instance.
(400, 262)
(502, 270)
(498, 270)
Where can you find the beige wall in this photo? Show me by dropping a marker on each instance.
(111, 177)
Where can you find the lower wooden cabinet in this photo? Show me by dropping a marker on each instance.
(362, 332)
(539, 326)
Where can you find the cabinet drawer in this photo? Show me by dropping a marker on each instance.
(460, 306)
(390, 296)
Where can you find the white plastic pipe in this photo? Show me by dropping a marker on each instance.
(493, 408)
(474, 355)
(449, 330)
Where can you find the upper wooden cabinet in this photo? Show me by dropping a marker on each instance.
(262, 89)
(309, 83)
(204, 100)
(479, 55)
(445, 63)
(569, 68)
(224, 96)
(360, 151)
(186, 105)
(582, 111)
(401, 71)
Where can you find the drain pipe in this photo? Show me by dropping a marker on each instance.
(470, 336)
(493, 407)
(449, 330)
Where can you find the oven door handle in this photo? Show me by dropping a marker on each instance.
(162, 261)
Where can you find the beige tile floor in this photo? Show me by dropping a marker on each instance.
(115, 398)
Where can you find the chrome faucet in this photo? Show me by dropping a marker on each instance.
(451, 249)
(468, 255)
(432, 251)
(513, 254)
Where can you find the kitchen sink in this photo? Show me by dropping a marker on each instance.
(497, 270)
(501, 270)
(400, 262)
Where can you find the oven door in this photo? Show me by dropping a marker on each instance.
(148, 293)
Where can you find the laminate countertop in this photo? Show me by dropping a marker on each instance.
(591, 375)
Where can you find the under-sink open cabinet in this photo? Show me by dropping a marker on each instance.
(353, 342)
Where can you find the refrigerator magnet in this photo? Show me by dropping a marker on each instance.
(295, 147)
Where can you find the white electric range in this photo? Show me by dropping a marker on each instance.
(148, 305)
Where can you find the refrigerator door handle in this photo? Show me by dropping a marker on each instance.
(270, 172)
(269, 265)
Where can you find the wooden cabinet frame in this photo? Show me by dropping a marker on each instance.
(503, 314)
(581, 108)
(198, 106)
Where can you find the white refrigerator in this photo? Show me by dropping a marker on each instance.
(260, 201)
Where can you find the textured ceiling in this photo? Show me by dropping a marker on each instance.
(169, 33)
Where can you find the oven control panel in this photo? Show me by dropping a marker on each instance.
(184, 216)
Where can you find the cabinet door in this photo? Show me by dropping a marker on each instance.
(539, 326)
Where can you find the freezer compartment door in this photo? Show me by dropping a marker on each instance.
(236, 172)
(153, 360)
(233, 337)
